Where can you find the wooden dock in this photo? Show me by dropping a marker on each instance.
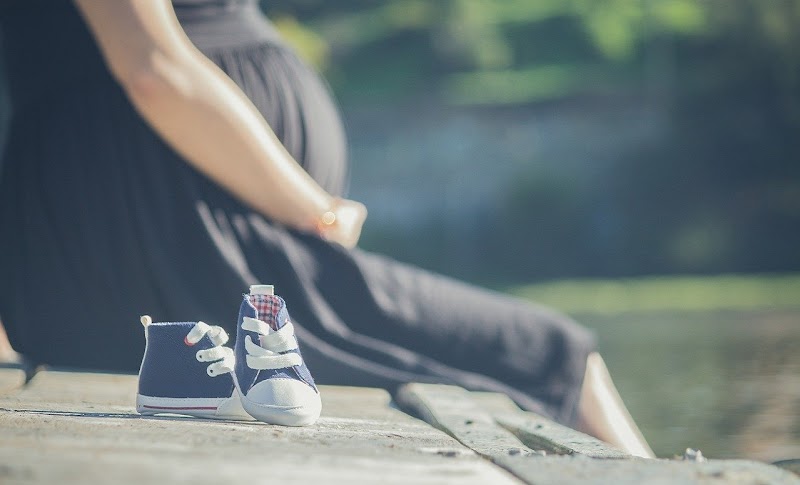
(71, 427)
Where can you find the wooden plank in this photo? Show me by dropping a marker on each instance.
(82, 428)
(81, 391)
(540, 433)
(451, 409)
(457, 412)
(75, 392)
(11, 379)
(792, 465)
(583, 470)
(104, 448)
(495, 403)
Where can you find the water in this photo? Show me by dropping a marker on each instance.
(727, 382)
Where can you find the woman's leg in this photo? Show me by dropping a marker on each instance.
(364, 319)
(7, 353)
(601, 412)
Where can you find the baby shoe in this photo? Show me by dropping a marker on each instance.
(186, 369)
(274, 383)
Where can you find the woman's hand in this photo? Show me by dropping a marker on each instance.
(346, 226)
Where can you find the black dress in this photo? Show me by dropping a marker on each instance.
(100, 222)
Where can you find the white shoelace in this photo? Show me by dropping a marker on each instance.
(270, 354)
(221, 358)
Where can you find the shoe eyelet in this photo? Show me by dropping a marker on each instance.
(210, 372)
(199, 356)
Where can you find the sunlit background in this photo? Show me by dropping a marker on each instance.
(634, 163)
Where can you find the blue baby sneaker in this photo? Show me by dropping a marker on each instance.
(273, 381)
(186, 369)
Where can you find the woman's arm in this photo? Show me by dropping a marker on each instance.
(205, 117)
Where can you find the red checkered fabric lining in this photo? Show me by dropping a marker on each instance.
(267, 307)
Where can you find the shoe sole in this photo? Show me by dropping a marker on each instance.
(295, 416)
(284, 416)
(210, 408)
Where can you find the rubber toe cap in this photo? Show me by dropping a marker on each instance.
(283, 401)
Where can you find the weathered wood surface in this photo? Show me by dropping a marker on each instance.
(11, 378)
(582, 470)
(82, 428)
(792, 465)
(452, 410)
(541, 433)
(573, 458)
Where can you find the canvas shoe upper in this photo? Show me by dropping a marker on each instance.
(274, 383)
(186, 369)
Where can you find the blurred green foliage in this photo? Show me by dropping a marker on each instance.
(716, 190)
(512, 38)
(668, 294)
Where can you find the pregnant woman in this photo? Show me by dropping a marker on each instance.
(164, 156)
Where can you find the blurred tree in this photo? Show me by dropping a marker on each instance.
(717, 190)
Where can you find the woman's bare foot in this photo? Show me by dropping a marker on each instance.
(7, 354)
(601, 412)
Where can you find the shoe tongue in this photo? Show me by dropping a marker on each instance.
(270, 309)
